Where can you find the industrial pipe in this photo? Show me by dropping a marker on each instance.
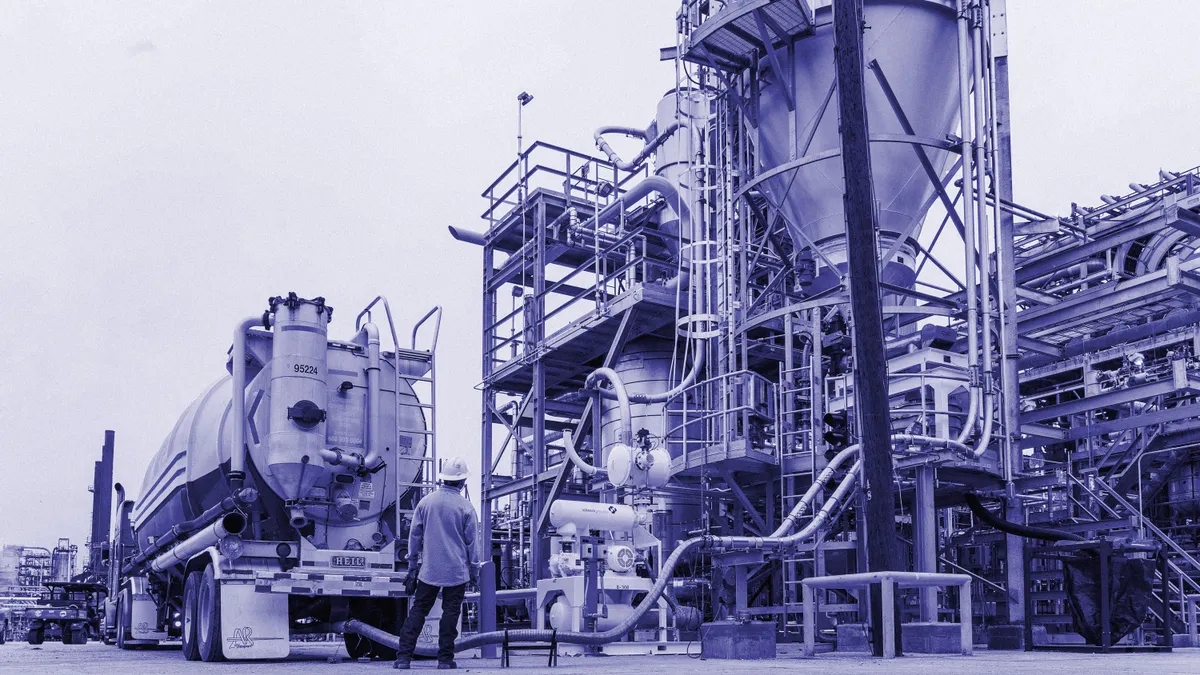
(467, 236)
(374, 456)
(569, 445)
(237, 501)
(653, 184)
(1017, 529)
(649, 135)
(964, 118)
(231, 524)
(793, 518)
(650, 600)
(622, 397)
(661, 397)
(237, 453)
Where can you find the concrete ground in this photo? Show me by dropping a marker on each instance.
(316, 658)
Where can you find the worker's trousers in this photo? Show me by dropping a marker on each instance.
(418, 609)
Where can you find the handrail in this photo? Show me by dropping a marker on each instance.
(437, 327)
(387, 310)
(1142, 518)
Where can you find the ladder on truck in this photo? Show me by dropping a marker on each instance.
(418, 368)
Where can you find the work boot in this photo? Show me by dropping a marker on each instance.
(402, 664)
(447, 665)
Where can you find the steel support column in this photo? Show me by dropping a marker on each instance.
(925, 538)
(1010, 355)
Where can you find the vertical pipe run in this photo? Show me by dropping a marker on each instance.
(374, 440)
(870, 354)
(237, 451)
(968, 194)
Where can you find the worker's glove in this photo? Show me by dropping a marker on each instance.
(410, 581)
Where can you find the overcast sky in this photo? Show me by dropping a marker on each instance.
(166, 167)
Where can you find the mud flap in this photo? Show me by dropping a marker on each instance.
(253, 625)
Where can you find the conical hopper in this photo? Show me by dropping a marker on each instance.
(915, 43)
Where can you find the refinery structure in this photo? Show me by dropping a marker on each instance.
(783, 361)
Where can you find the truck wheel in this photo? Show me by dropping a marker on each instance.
(191, 650)
(67, 634)
(36, 636)
(208, 616)
(79, 635)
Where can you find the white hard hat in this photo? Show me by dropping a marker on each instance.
(454, 468)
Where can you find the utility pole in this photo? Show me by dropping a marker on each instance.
(870, 357)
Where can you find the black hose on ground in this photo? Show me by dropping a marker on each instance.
(1008, 527)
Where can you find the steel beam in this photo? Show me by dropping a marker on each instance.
(1120, 233)
(1080, 308)
(1180, 381)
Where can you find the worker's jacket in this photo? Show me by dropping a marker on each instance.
(443, 533)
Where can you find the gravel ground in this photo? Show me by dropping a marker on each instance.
(330, 658)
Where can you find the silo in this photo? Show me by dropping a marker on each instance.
(914, 44)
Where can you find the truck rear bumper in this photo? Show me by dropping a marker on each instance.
(358, 584)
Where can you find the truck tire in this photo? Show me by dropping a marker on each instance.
(208, 617)
(36, 636)
(191, 650)
(79, 635)
(67, 633)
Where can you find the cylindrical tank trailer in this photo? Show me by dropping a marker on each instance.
(332, 439)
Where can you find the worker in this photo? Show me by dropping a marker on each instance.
(443, 536)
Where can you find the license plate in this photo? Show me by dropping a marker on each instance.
(348, 561)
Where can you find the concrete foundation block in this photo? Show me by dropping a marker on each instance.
(931, 638)
(736, 640)
(1006, 637)
(1183, 640)
(852, 637)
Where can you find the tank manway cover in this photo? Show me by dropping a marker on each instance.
(306, 414)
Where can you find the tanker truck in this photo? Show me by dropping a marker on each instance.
(279, 503)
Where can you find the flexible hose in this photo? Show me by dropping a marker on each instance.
(650, 600)
(1010, 527)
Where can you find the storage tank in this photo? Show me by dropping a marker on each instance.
(307, 433)
(915, 43)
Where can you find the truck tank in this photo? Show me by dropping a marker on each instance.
(306, 431)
